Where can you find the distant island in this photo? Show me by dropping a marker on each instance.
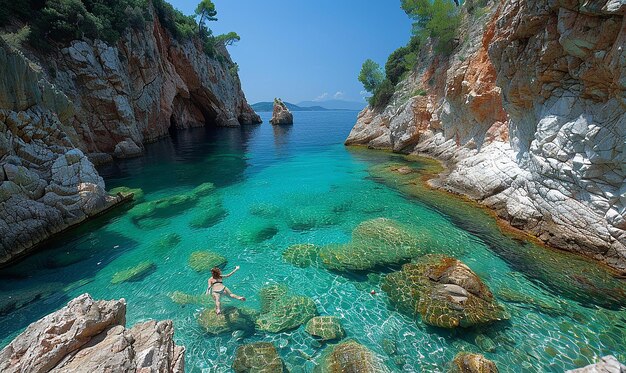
(312, 106)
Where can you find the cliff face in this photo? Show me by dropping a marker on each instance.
(530, 111)
(61, 113)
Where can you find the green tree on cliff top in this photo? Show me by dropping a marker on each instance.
(371, 75)
(206, 11)
(438, 19)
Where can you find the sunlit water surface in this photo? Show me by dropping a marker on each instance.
(284, 171)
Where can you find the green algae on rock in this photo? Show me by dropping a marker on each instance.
(256, 231)
(310, 217)
(203, 189)
(208, 217)
(202, 261)
(281, 311)
(562, 273)
(472, 363)
(259, 357)
(325, 328)
(375, 243)
(136, 192)
(231, 319)
(444, 291)
(135, 273)
(162, 208)
(350, 356)
(302, 255)
(264, 210)
(169, 241)
(183, 299)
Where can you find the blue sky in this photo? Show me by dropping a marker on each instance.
(306, 50)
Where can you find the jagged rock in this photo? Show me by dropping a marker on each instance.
(375, 243)
(608, 364)
(280, 113)
(228, 321)
(135, 273)
(444, 291)
(281, 311)
(202, 261)
(89, 336)
(127, 149)
(259, 357)
(325, 328)
(472, 363)
(350, 356)
(302, 255)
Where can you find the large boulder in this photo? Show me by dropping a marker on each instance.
(281, 311)
(89, 336)
(444, 291)
(259, 357)
(608, 364)
(280, 113)
(302, 255)
(472, 363)
(229, 320)
(202, 261)
(350, 356)
(375, 243)
(325, 328)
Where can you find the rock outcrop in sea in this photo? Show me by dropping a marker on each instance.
(87, 102)
(90, 336)
(529, 113)
(280, 113)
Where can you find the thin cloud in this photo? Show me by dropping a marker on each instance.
(338, 95)
(321, 97)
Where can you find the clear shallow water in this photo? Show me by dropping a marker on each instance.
(565, 311)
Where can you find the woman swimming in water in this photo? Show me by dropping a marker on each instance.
(216, 287)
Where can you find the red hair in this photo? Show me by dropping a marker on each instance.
(216, 273)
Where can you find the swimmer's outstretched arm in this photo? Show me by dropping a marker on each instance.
(231, 273)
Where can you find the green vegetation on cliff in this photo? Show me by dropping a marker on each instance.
(61, 21)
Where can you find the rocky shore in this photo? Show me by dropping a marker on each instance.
(88, 102)
(90, 336)
(529, 113)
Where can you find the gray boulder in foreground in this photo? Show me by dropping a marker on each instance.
(90, 336)
(607, 364)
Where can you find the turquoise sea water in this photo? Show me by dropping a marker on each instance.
(304, 185)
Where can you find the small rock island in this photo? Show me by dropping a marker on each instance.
(280, 114)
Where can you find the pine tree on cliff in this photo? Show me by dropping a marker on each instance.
(206, 11)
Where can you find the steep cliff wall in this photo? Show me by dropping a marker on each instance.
(63, 112)
(530, 112)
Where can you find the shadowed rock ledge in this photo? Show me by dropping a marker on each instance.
(90, 336)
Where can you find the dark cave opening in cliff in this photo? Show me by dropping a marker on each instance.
(192, 111)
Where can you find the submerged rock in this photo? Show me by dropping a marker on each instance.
(203, 189)
(264, 210)
(350, 356)
(135, 273)
(169, 241)
(89, 336)
(257, 231)
(136, 192)
(375, 243)
(259, 357)
(444, 291)
(310, 217)
(302, 255)
(162, 208)
(281, 311)
(325, 328)
(472, 363)
(19, 298)
(280, 113)
(208, 217)
(608, 364)
(181, 298)
(202, 261)
(231, 319)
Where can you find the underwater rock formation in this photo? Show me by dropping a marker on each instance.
(183, 299)
(281, 311)
(375, 243)
(444, 291)
(472, 363)
(259, 357)
(302, 255)
(89, 336)
(608, 364)
(280, 113)
(529, 114)
(135, 273)
(350, 356)
(231, 319)
(325, 328)
(203, 261)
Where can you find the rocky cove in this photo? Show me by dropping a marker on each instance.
(349, 259)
